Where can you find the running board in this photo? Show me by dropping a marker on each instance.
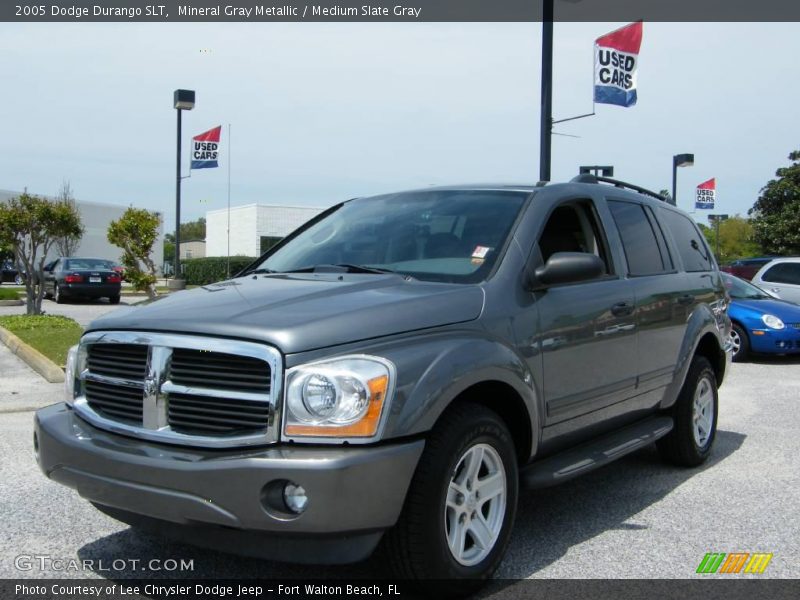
(594, 454)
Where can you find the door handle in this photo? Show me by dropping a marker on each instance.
(622, 309)
(685, 300)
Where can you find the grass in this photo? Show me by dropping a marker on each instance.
(50, 334)
(8, 294)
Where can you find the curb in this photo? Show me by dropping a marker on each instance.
(35, 359)
(11, 302)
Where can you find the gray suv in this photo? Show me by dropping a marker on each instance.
(394, 372)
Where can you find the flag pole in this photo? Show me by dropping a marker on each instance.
(229, 203)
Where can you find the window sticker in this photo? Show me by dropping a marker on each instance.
(480, 252)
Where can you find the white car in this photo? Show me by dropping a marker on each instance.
(781, 277)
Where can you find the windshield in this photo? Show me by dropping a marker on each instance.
(451, 235)
(740, 289)
(74, 264)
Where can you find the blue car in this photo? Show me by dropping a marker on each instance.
(762, 324)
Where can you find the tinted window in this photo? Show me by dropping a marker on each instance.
(691, 245)
(638, 238)
(783, 273)
(74, 264)
(574, 227)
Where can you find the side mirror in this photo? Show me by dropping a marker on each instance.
(567, 267)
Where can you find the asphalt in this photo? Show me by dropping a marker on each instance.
(637, 518)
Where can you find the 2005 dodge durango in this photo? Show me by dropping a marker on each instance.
(393, 373)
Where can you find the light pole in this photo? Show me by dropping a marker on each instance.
(546, 115)
(679, 160)
(183, 100)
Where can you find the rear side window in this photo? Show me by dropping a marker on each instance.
(783, 273)
(691, 246)
(638, 239)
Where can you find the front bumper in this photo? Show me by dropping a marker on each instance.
(219, 498)
(775, 341)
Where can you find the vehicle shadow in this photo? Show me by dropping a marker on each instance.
(549, 522)
(775, 359)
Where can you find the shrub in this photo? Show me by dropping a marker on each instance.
(202, 271)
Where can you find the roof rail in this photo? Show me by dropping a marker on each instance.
(589, 178)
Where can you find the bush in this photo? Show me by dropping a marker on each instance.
(202, 271)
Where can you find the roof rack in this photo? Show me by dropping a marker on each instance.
(589, 178)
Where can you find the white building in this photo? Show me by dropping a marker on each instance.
(254, 227)
(96, 218)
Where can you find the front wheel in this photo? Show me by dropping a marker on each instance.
(695, 413)
(740, 344)
(460, 507)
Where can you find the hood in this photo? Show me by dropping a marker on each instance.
(785, 311)
(304, 311)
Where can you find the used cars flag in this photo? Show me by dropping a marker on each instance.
(706, 194)
(616, 58)
(205, 149)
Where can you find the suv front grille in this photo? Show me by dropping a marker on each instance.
(180, 389)
(219, 371)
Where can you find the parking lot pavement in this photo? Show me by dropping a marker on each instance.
(22, 388)
(83, 312)
(637, 518)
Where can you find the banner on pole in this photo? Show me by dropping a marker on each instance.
(205, 149)
(706, 194)
(616, 59)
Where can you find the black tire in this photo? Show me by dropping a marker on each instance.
(57, 295)
(114, 299)
(743, 352)
(681, 446)
(416, 548)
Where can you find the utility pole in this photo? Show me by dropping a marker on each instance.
(546, 123)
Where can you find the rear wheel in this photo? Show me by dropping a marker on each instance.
(18, 280)
(740, 344)
(57, 295)
(460, 507)
(695, 413)
(114, 299)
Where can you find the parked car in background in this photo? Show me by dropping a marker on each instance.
(10, 274)
(781, 276)
(760, 322)
(746, 268)
(77, 277)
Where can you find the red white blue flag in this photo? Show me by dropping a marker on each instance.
(616, 58)
(706, 194)
(205, 149)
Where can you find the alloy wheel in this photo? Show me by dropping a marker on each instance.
(476, 504)
(703, 412)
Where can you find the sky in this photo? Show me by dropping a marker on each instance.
(324, 112)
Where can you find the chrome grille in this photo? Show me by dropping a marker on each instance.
(180, 389)
(128, 361)
(204, 415)
(115, 401)
(196, 368)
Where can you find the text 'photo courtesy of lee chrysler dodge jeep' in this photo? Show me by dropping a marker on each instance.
(393, 373)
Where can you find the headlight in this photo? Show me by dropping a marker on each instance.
(772, 322)
(342, 397)
(70, 374)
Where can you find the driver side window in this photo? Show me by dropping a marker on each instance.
(574, 227)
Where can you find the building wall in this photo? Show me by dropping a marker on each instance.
(96, 218)
(193, 249)
(249, 224)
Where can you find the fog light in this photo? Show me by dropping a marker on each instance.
(295, 498)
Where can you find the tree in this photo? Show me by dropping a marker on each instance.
(30, 226)
(666, 194)
(136, 231)
(736, 239)
(67, 245)
(776, 213)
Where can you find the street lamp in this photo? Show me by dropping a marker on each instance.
(183, 100)
(679, 160)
